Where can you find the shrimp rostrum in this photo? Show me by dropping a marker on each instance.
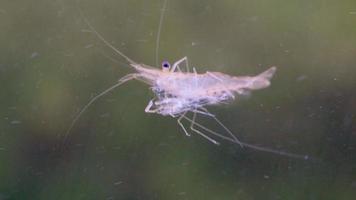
(179, 93)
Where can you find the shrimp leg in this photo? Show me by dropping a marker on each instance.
(181, 125)
(251, 146)
(148, 107)
(208, 130)
(148, 110)
(199, 132)
(176, 64)
(207, 113)
(222, 125)
(203, 113)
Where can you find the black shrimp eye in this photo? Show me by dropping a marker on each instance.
(166, 64)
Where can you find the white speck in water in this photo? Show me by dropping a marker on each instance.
(116, 148)
(69, 54)
(266, 176)
(15, 122)
(88, 46)
(353, 184)
(141, 40)
(302, 78)
(105, 115)
(253, 18)
(34, 55)
(218, 50)
(85, 31)
(118, 183)
(163, 144)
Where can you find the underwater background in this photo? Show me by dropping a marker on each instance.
(51, 66)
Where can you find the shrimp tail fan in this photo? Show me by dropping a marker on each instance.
(263, 80)
(268, 74)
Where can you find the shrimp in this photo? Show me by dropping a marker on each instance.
(178, 93)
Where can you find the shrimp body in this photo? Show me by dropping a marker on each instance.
(179, 92)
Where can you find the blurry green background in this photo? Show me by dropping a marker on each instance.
(50, 66)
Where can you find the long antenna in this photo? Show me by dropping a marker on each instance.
(121, 81)
(163, 11)
(92, 29)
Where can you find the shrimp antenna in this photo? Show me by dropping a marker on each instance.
(92, 29)
(163, 11)
(121, 81)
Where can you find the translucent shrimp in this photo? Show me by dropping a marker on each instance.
(178, 93)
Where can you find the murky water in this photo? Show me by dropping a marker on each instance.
(50, 66)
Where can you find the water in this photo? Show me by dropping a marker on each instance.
(50, 66)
